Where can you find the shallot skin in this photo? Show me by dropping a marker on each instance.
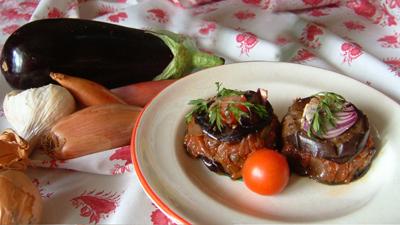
(141, 93)
(90, 130)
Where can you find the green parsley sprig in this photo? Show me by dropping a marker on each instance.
(213, 110)
(329, 104)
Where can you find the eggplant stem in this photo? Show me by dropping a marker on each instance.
(204, 60)
(187, 57)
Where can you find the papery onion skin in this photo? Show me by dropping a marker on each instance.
(14, 151)
(20, 200)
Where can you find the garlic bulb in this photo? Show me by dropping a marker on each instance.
(20, 201)
(33, 111)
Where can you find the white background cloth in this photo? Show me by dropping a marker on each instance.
(358, 38)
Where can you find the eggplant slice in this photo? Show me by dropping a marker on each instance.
(225, 151)
(338, 160)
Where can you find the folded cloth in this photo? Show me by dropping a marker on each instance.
(358, 38)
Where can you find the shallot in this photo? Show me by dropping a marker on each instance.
(92, 129)
(85, 91)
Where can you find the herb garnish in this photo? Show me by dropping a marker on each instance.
(213, 109)
(329, 104)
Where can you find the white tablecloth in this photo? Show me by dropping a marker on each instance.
(358, 38)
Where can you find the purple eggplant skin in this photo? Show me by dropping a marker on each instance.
(111, 55)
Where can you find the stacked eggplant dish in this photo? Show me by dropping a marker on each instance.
(225, 129)
(323, 136)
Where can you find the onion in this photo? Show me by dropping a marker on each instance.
(20, 201)
(344, 120)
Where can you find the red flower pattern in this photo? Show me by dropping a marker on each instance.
(207, 28)
(177, 3)
(244, 15)
(29, 4)
(10, 28)
(247, 41)
(390, 41)
(318, 13)
(394, 65)
(351, 25)
(72, 5)
(13, 14)
(123, 154)
(105, 9)
(252, 2)
(159, 218)
(370, 11)
(52, 163)
(302, 55)
(44, 193)
(55, 13)
(393, 3)
(96, 206)
(312, 2)
(281, 40)
(362, 7)
(264, 4)
(388, 18)
(310, 36)
(158, 15)
(116, 18)
(350, 51)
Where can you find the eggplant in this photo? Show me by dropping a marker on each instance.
(337, 160)
(109, 54)
(340, 149)
(247, 125)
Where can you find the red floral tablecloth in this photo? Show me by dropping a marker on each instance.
(358, 38)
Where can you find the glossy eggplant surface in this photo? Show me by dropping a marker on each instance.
(111, 55)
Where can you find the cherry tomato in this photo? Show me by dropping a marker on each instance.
(266, 172)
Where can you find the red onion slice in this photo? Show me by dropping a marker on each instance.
(346, 119)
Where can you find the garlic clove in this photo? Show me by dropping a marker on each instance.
(33, 111)
(20, 201)
(13, 151)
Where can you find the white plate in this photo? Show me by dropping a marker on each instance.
(185, 189)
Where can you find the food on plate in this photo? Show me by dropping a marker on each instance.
(108, 54)
(34, 111)
(14, 151)
(223, 130)
(92, 129)
(86, 92)
(327, 138)
(266, 172)
(141, 93)
(20, 201)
